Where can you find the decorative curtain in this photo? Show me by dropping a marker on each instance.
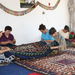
(71, 8)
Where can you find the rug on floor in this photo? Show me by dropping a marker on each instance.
(32, 50)
(63, 64)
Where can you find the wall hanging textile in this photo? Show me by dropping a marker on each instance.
(20, 13)
(71, 8)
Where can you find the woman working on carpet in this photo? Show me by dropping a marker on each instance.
(58, 38)
(51, 37)
(48, 38)
(3, 50)
(6, 38)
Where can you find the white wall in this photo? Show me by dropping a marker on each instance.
(25, 28)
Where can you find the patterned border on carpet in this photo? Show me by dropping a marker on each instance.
(32, 50)
(63, 64)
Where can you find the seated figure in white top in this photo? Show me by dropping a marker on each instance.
(65, 32)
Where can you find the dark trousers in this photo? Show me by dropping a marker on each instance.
(9, 45)
(7, 54)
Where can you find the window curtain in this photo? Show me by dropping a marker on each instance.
(71, 8)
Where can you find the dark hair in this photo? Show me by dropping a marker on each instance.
(42, 27)
(8, 28)
(66, 28)
(52, 31)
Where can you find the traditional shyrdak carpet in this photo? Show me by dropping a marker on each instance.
(32, 50)
(63, 64)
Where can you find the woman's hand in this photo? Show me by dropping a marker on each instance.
(1, 33)
(4, 49)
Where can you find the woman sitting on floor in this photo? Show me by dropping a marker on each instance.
(5, 57)
(6, 38)
(52, 38)
(65, 32)
(47, 38)
(58, 38)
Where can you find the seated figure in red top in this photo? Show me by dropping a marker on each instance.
(6, 38)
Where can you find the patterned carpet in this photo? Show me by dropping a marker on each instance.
(32, 50)
(37, 57)
(62, 64)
